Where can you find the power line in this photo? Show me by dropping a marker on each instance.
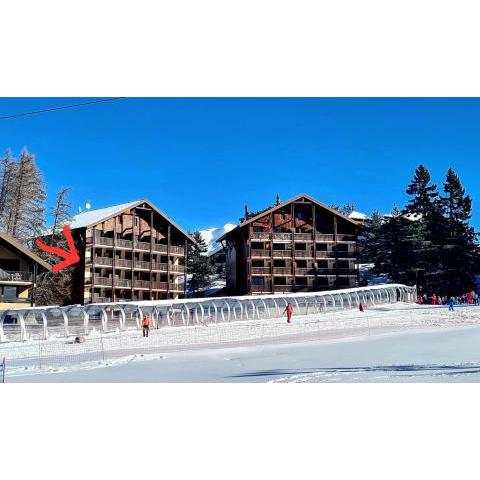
(64, 107)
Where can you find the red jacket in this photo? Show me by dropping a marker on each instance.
(146, 322)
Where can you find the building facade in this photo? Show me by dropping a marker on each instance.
(18, 273)
(296, 246)
(128, 252)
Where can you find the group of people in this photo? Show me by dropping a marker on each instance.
(469, 298)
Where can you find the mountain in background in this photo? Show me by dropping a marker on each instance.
(211, 235)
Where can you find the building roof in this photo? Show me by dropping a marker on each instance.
(14, 244)
(283, 204)
(93, 217)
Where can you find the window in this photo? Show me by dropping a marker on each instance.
(258, 281)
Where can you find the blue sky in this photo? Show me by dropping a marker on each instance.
(200, 160)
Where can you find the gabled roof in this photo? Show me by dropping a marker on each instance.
(14, 244)
(91, 218)
(283, 204)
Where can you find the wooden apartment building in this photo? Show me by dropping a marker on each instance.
(128, 252)
(298, 245)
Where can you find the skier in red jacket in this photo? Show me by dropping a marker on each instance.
(146, 325)
(288, 310)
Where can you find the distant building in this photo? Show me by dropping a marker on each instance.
(297, 245)
(18, 273)
(128, 252)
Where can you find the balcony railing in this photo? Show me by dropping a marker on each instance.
(260, 253)
(141, 283)
(325, 254)
(260, 235)
(282, 254)
(304, 253)
(260, 270)
(141, 265)
(261, 288)
(138, 245)
(106, 261)
(282, 270)
(324, 237)
(305, 271)
(12, 276)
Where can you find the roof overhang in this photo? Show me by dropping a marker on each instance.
(283, 204)
(13, 244)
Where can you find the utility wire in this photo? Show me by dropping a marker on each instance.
(36, 112)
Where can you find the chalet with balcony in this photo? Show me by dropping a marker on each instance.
(129, 252)
(298, 245)
(18, 273)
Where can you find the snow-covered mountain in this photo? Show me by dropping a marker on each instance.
(210, 235)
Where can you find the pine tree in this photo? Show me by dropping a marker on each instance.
(200, 269)
(424, 195)
(26, 216)
(7, 176)
(460, 248)
(367, 239)
(61, 210)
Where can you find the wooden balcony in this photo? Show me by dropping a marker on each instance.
(104, 261)
(261, 288)
(305, 271)
(108, 282)
(15, 277)
(260, 270)
(141, 265)
(304, 253)
(325, 237)
(121, 243)
(304, 237)
(325, 254)
(282, 270)
(282, 254)
(261, 236)
(283, 288)
(260, 253)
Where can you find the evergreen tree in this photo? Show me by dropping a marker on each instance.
(200, 268)
(368, 236)
(460, 246)
(26, 215)
(424, 196)
(7, 177)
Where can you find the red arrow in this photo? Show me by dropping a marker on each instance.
(70, 257)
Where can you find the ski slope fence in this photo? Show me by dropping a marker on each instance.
(42, 323)
(57, 338)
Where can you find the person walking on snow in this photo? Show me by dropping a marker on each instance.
(451, 303)
(288, 310)
(146, 325)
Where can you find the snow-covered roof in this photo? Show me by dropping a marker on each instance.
(90, 217)
(354, 215)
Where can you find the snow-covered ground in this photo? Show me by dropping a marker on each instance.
(399, 342)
